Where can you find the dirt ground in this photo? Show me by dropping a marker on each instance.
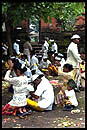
(57, 118)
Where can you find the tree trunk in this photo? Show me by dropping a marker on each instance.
(8, 30)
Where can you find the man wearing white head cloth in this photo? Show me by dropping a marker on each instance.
(73, 56)
(43, 93)
(54, 46)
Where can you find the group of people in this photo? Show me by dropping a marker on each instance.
(28, 74)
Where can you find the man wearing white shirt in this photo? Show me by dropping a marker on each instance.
(16, 46)
(43, 93)
(73, 57)
(45, 47)
(54, 46)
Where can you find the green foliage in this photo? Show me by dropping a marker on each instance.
(66, 11)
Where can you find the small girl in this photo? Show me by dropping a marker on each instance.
(20, 89)
(67, 97)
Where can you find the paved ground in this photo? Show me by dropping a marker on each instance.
(57, 118)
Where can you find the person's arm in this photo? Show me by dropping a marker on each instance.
(63, 91)
(33, 95)
(75, 53)
(12, 80)
(29, 46)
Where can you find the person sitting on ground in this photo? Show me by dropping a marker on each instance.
(39, 60)
(23, 59)
(67, 70)
(67, 98)
(20, 84)
(53, 68)
(44, 64)
(11, 61)
(42, 98)
(34, 63)
(51, 56)
(62, 62)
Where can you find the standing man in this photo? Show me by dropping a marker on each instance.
(16, 47)
(45, 47)
(73, 57)
(27, 48)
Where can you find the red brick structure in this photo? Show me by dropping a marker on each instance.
(80, 23)
(53, 26)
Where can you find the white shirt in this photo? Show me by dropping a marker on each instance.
(34, 62)
(45, 48)
(62, 62)
(16, 47)
(73, 57)
(55, 48)
(44, 64)
(72, 97)
(45, 93)
(20, 85)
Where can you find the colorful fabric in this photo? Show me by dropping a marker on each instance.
(82, 67)
(53, 69)
(34, 104)
(53, 82)
(60, 99)
(7, 110)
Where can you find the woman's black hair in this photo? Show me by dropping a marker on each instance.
(20, 67)
(68, 66)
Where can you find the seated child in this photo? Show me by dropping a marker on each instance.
(67, 98)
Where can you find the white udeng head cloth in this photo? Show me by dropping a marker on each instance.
(75, 36)
(34, 77)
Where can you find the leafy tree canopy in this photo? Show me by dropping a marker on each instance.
(65, 11)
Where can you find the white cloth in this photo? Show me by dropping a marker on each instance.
(44, 64)
(45, 48)
(46, 94)
(72, 97)
(62, 62)
(55, 48)
(28, 72)
(16, 48)
(20, 85)
(34, 62)
(73, 57)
